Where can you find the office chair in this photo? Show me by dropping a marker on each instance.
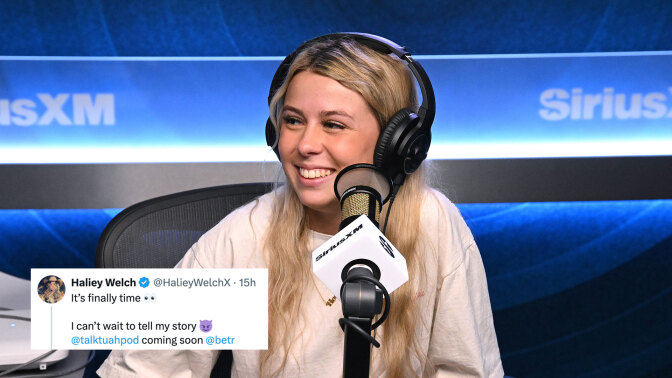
(156, 233)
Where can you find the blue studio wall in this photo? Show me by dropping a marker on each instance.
(578, 288)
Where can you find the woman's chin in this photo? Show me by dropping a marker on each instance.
(320, 202)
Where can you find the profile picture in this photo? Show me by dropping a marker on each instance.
(51, 289)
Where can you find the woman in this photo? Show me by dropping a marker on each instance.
(329, 111)
(52, 289)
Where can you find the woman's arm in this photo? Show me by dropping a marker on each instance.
(463, 340)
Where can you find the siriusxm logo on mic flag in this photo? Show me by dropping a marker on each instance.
(386, 246)
(360, 240)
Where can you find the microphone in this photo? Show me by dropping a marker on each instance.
(359, 244)
(360, 189)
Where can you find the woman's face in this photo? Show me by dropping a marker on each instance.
(325, 127)
(53, 286)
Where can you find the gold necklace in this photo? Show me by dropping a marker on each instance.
(326, 302)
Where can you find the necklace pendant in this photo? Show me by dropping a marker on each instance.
(331, 301)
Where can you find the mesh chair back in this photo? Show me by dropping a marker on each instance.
(156, 233)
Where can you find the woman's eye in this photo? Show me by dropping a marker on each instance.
(291, 120)
(333, 125)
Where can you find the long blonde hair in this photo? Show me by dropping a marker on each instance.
(387, 86)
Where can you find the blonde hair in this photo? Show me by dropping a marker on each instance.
(387, 86)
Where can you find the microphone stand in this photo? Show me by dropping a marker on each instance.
(358, 188)
(361, 301)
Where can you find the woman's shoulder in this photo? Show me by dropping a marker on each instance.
(258, 208)
(438, 208)
(249, 217)
(444, 226)
(235, 239)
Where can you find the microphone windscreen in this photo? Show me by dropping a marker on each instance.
(362, 175)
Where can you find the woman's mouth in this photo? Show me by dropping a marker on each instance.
(314, 173)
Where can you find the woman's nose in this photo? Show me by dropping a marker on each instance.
(311, 141)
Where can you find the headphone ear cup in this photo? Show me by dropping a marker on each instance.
(272, 137)
(384, 155)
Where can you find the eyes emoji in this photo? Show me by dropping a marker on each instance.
(149, 298)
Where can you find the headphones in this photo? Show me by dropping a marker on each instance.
(404, 142)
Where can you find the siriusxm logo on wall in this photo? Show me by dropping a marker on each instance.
(83, 109)
(62, 110)
(557, 105)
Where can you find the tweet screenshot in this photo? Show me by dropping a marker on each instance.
(149, 309)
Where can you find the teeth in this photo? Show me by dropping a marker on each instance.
(314, 173)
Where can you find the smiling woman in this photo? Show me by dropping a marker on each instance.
(337, 101)
(325, 127)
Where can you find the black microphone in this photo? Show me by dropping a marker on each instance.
(359, 264)
(361, 189)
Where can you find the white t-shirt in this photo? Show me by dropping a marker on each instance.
(455, 329)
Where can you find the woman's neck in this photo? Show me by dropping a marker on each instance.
(325, 222)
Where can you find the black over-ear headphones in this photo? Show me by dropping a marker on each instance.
(404, 142)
